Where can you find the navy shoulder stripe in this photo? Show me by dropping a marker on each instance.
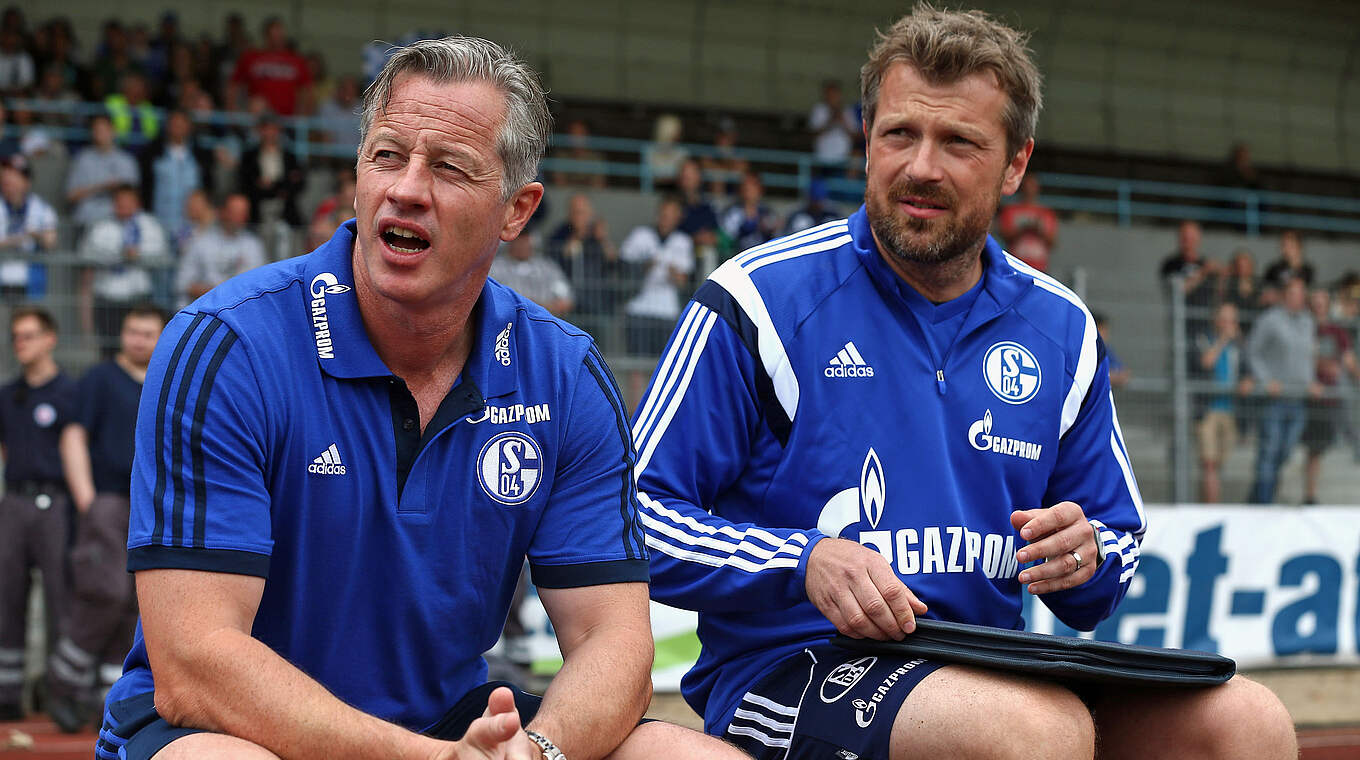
(634, 544)
(190, 374)
(721, 302)
(172, 370)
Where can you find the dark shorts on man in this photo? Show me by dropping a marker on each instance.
(826, 702)
(134, 726)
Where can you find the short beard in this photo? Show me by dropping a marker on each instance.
(894, 229)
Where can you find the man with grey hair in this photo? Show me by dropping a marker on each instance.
(343, 460)
(887, 417)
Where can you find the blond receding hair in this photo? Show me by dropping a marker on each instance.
(947, 46)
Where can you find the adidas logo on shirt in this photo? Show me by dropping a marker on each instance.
(848, 363)
(328, 463)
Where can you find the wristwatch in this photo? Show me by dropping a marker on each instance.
(550, 750)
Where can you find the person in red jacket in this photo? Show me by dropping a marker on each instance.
(274, 72)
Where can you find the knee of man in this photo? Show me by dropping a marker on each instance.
(1244, 719)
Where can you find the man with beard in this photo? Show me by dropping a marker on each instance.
(889, 417)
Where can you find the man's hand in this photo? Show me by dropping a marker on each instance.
(856, 589)
(1053, 535)
(497, 735)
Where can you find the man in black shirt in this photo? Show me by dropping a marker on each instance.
(96, 454)
(35, 510)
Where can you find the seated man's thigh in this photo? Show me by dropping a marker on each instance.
(205, 746)
(964, 712)
(655, 739)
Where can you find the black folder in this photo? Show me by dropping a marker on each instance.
(1059, 658)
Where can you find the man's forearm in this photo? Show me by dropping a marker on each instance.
(232, 683)
(598, 697)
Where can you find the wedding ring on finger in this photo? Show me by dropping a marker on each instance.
(1076, 557)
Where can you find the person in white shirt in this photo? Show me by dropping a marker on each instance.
(521, 268)
(216, 253)
(833, 125)
(120, 255)
(28, 225)
(665, 255)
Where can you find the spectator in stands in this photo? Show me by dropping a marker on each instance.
(29, 226)
(1197, 277)
(664, 254)
(724, 168)
(34, 510)
(1335, 362)
(172, 168)
(161, 48)
(59, 54)
(9, 138)
(834, 128)
(340, 203)
(113, 59)
(699, 218)
(577, 148)
(1241, 287)
(339, 115)
(1289, 266)
(271, 177)
(96, 457)
(135, 120)
(95, 172)
(1028, 227)
(749, 222)
(818, 210)
(199, 216)
(55, 97)
(235, 43)
(120, 255)
(519, 266)
(274, 72)
(182, 80)
(1281, 351)
(581, 247)
(1239, 171)
(218, 253)
(17, 72)
(665, 154)
(1119, 373)
(1220, 359)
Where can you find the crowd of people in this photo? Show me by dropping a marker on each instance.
(1271, 353)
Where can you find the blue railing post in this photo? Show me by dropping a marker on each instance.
(1125, 204)
(1253, 214)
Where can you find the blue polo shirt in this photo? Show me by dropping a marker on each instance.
(272, 441)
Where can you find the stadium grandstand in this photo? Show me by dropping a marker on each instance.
(1189, 154)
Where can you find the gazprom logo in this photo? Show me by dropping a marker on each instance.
(873, 490)
(327, 284)
(323, 285)
(1011, 372)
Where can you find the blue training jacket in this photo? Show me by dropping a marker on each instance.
(807, 392)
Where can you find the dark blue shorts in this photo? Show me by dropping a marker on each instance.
(133, 730)
(826, 703)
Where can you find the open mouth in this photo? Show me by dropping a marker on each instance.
(403, 240)
(923, 203)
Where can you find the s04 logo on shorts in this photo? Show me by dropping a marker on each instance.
(840, 681)
(510, 468)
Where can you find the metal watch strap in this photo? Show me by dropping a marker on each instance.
(1100, 550)
(550, 750)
